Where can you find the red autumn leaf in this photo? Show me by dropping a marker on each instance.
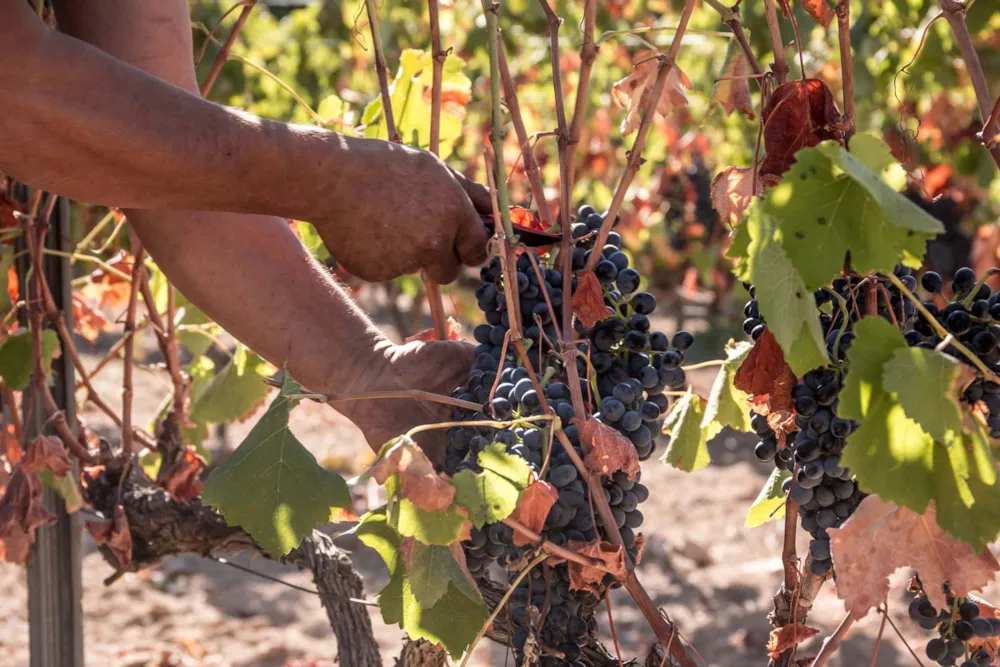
(454, 332)
(109, 289)
(21, 513)
(640, 542)
(766, 377)
(787, 636)
(47, 452)
(733, 191)
(11, 447)
(819, 10)
(882, 537)
(799, 114)
(183, 479)
(115, 534)
(524, 219)
(533, 508)
(419, 482)
(586, 578)
(588, 299)
(13, 285)
(635, 90)
(608, 451)
(89, 322)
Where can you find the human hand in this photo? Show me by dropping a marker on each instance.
(396, 210)
(436, 366)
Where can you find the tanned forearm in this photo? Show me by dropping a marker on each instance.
(82, 123)
(249, 273)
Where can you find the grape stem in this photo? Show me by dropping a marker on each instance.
(940, 330)
(731, 17)
(223, 55)
(554, 549)
(832, 643)
(704, 364)
(971, 296)
(503, 601)
(416, 394)
(780, 64)
(513, 423)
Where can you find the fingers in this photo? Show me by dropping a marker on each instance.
(478, 193)
(471, 238)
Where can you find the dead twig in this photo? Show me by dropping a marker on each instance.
(223, 55)
(780, 65)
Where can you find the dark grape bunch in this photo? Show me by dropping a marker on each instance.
(972, 316)
(624, 369)
(957, 624)
(753, 325)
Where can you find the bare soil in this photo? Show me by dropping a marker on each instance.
(712, 575)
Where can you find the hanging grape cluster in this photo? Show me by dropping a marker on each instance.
(957, 624)
(624, 369)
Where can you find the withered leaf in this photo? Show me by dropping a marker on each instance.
(635, 90)
(46, 452)
(115, 534)
(733, 191)
(766, 376)
(585, 578)
(588, 299)
(21, 513)
(882, 537)
(419, 482)
(732, 88)
(109, 289)
(819, 10)
(799, 114)
(183, 479)
(454, 332)
(88, 321)
(533, 508)
(787, 636)
(608, 451)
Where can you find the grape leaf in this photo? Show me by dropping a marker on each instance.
(789, 635)
(688, 448)
(832, 202)
(727, 405)
(732, 88)
(311, 240)
(66, 487)
(798, 114)
(374, 531)
(787, 305)
(635, 90)
(923, 382)
(533, 508)
(403, 459)
(492, 494)
(272, 486)
(878, 341)
(608, 451)
(453, 622)
(586, 578)
(732, 192)
(440, 527)
(819, 10)
(432, 569)
(588, 299)
(882, 537)
(770, 502)
(16, 361)
(235, 391)
(766, 377)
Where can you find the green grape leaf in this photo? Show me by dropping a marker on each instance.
(453, 622)
(17, 362)
(923, 382)
(495, 459)
(312, 241)
(431, 527)
(234, 392)
(432, 570)
(833, 201)
(492, 494)
(688, 448)
(727, 405)
(272, 485)
(877, 341)
(374, 531)
(770, 502)
(787, 305)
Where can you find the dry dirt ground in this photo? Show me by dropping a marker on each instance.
(708, 572)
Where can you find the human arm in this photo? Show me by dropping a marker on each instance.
(80, 122)
(249, 272)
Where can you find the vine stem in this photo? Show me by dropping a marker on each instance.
(503, 601)
(223, 55)
(138, 270)
(704, 364)
(414, 394)
(554, 549)
(502, 212)
(731, 17)
(954, 13)
(780, 65)
(832, 643)
(878, 640)
(992, 125)
(846, 62)
(941, 331)
(635, 155)
(527, 154)
(588, 54)
(432, 289)
(380, 70)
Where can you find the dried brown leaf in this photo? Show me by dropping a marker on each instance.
(608, 451)
(882, 537)
(732, 89)
(766, 376)
(733, 191)
(115, 534)
(533, 508)
(798, 115)
(47, 452)
(418, 480)
(585, 578)
(819, 10)
(634, 91)
(88, 321)
(21, 513)
(787, 636)
(183, 479)
(588, 299)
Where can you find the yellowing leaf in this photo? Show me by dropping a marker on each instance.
(635, 90)
(732, 89)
